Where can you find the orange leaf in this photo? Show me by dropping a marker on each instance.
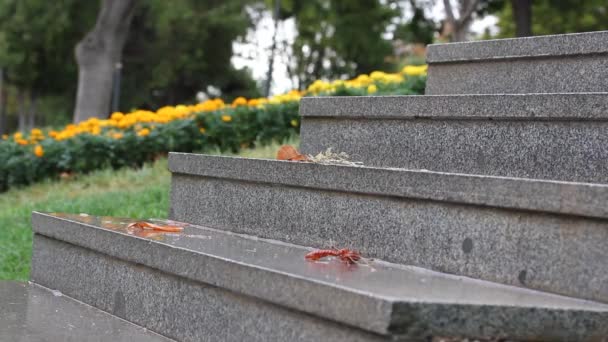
(288, 152)
(151, 226)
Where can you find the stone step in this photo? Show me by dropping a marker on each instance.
(207, 284)
(544, 136)
(547, 235)
(544, 64)
(29, 312)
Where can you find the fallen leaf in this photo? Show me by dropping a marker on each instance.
(156, 227)
(288, 152)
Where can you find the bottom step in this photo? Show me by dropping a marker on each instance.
(205, 284)
(31, 312)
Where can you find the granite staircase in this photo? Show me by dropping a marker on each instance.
(479, 216)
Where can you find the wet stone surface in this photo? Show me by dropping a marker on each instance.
(30, 313)
(375, 296)
(372, 276)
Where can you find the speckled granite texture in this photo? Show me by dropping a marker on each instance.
(556, 136)
(32, 313)
(184, 310)
(399, 301)
(575, 44)
(525, 107)
(549, 64)
(449, 223)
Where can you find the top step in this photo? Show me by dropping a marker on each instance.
(545, 64)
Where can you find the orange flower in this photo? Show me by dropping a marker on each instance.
(117, 116)
(226, 118)
(143, 132)
(239, 101)
(38, 151)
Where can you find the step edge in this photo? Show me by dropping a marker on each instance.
(376, 300)
(585, 330)
(590, 106)
(560, 45)
(583, 199)
(380, 323)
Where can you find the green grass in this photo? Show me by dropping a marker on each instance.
(142, 193)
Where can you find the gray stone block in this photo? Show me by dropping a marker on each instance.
(213, 278)
(573, 44)
(32, 313)
(544, 64)
(181, 309)
(543, 136)
(550, 236)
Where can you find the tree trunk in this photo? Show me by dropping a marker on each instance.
(3, 129)
(522, 13)
(33, 106)
(273, 48)
(97, 55)
(460, 26)
(22, 110)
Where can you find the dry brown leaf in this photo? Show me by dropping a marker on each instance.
(288, 152)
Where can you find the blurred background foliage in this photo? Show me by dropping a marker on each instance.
(176, 49)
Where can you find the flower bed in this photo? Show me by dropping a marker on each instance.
(134, 138)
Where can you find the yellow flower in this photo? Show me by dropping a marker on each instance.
(219, 103)
(318, 86)
(372, 89)
(338, 83)
(38, 151)
(294, 123)
(226, 118)
(377, 75)
(117, 116)
(239, 101)
(36, 131)
(21, 142)
(202, 130)
(415, 70)
(143, 132)
(4, 136)
(117, 136)
(95, 130)
(363, 78)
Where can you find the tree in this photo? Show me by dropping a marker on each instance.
(522, 13)
(160, 69)
(419, 29)
(2, 103)
(97, 54)
(459, 26)
(36, 38)
(519, 18)
(338, 38)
